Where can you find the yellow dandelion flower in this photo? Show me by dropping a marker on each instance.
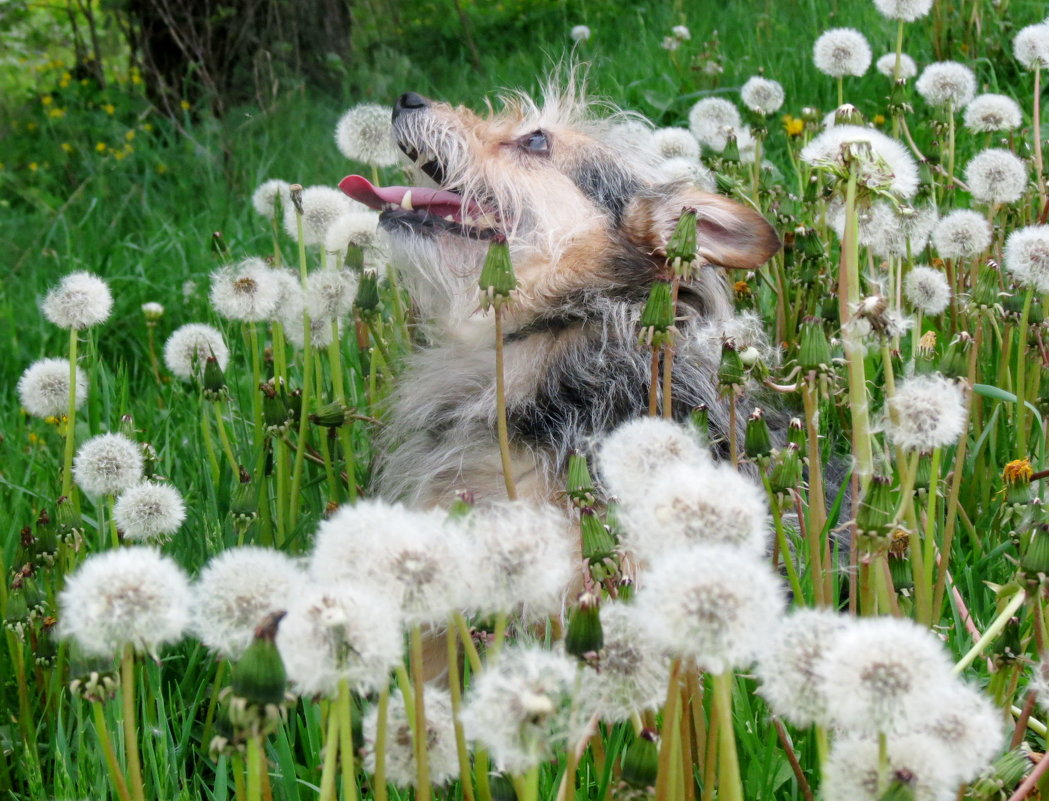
(136, 79)
(66, 147)
(101, 147)
(793, 125)
(84, 81)
(130, 135)
(162, 168)
(56, 113)
(184, 105)
(129, 149)
(879, 119)
(1018, 471)
(741, 289)
(34, 439)
(927, 343)
(33, 166)
(119, 155)
(47, 100)
(31, 126)
(62, 84)
(147, 127)
(67, 76)
(109, 108)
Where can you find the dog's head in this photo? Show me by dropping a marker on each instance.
(581, 210)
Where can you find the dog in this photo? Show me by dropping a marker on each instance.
(587, 220)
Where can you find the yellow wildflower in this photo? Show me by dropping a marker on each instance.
(47, 100)
(56, 113)
(119, 155)
(147, 127)
(109, 108)
(66, 147)
(33, 166)
(101, 147)
(879, 119)
(1018, 471)
(130, 135)
(162, 168)
(184, 104)
(793, 125)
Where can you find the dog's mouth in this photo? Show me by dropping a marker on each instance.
(422, 209)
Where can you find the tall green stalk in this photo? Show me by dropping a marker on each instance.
(131, 752)
(67, 461)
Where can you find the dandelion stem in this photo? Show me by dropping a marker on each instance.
(67, 461)
(992, 631)
(1036, 131)
(1021, 376)
(817, 502)
(668, 734)
(784, 547)
(253, 771)
(929, 557)
(883, 764)
(382, 717)
(730, 785)
(792, 757)
(227, 448)
(423, 790)
(102, 731)
(455, 690)
(131, 754)
(344, 710)
(653, 384)
(307, 387)
(331, 750)
(500, 402)
(472, 656)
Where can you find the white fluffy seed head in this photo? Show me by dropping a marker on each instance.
(673, 143)
(79, 301)
(987, 113)
(321, 207)
(716, 604)
(1031, 46)
(520, 708)
(961, 234)
(688, 170)
(638, 448)
(889, 164)
(840, 52)
(107, 464)
(441, 755)
(579, 33)
(521, 557)
(1027, 256)
(930, 413)
(879, 673)
(419, 563)
(926, 289)
(899, 233)
(787, 667)
(129, 596)
(149, 512)
(360, 229)
(236, 591)
(268, 194)
(365, 134)
(711, 120)
(886, 65)
(702, 504)
(189, 347)
(334, 632)
(330, 293)
(762, 95)
(907, 10)
(916, 761)
(631, 677)
(947, 83)
(43, 388)
(970, 727)
(996, 176)
(289, 315)
(246, 291)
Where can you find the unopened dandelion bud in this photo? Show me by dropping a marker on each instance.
(580, 485)
(786, 470)
(330, 415)
(814, 351)
(875, 514)
(731, 372)
(955, 361)
(150, 460)
(497, 275)
(220, 248)
(848, 114)
(796, 433)
(215, 388)
(726, 184)
(259, 676)
(354, 257)
(98, 683)
(585, 637)
(1035, 559)
(276, 415)
(367, 300)
(152, 312)
(70, 524)
(244, 504)
(807, 243)
(640, 762)
(45, 539)
(699, 420)
(681, 249)
(657, 318)
(295, 193)
(757, 441)
(1005, 773)
(597, 539)
(731, 152)
(901, 570)
(462, 505)
(502, 788)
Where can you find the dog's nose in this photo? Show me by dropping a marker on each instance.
(409, 101)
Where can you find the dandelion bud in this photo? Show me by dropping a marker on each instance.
(875, 514)
(585, 638)
(497, 275)
(1007, 771)
(244, 505)
(699, 420)
(955, 361)
(215, 388)
(900, 567)
(153, 312)
(295, 192)
(848, 114)
(462, 505)
(580, 485)
(598, 542)
(657, 318)
(330, 415)
(499, 784)
(814, 352)
(640, 762)
(258, 680)
(681, 249)
(276, 415)
(70, 524)
(367, 300)
(731, 373)
(726, 184)
(786, 471)
(731, 152)
(796, 433)
(97, 682)
(220, 248)
(757, 442)
(1035, 559)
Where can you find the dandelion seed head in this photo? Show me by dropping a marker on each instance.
(441, 754)
(80, 301)
(716, 604)
(947, 83)
(886, 65)
(43, 389)
(1027, 256)
(267, 195)
(988, 113)
(906, 10)
(787, 667)
(330, 293)
(107, 464)
(688, 170)
(631, 135)
(245, 291)
(996, 176)
(128, 596)
(879, 672)
(711, 120)
(321, 207)
(893, 233)
(926, 289)
(961, 234)
(365, 134)
(672, 143)
(681, 32)
(968, 724)
(762, 95)
(842, 51)
(334, 632)
(916, 761)
(888, 163)
(930, 413)
(188, 348)
(152, 310)
(1031, 46)
(579, 33)
(360, 229)
(639, 448)
(236, 591)
(149, 512)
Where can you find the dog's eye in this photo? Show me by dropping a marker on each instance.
(535, 142)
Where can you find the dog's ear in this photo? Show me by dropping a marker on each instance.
(728, 234)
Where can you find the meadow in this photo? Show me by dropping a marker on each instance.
(852, 608)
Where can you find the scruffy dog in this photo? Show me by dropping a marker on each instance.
(587, 221)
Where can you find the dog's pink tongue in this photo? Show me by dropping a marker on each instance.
(377, 197)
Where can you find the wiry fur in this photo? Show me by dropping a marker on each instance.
(586, 224)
